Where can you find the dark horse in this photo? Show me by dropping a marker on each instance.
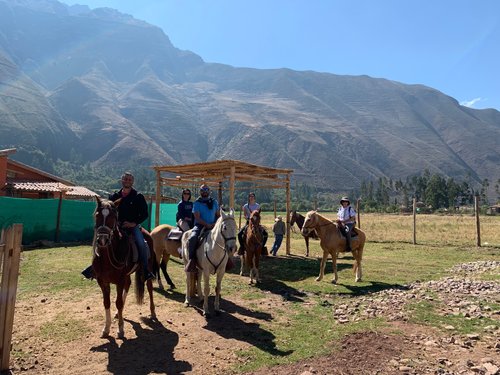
(113, 262)
(253, 246)
(296, 218)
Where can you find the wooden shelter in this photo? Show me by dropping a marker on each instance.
(220, 172)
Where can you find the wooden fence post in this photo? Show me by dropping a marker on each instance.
(10, 255)
(478, 226)
(357, 211)
(414, 220)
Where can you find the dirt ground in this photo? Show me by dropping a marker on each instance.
(182, 341)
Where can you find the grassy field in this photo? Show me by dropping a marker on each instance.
(302, 326)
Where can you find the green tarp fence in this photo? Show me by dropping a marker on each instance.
(39, 218)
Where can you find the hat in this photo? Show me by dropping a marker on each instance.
(204, 188)
(345, 199)
(278, 218)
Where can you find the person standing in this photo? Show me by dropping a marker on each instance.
(185, 210)
(206, 212)
(279, 230)
(347, 217)
(132, 211)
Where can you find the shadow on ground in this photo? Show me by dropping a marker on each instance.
(150, 352)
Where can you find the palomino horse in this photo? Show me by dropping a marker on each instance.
(332, 242)
(253, 247)
(113, 263)
(296, 218)
(212, 255)
(163, 249)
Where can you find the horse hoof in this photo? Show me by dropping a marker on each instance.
(241, 273)
(104, 334)
(172, 287)
(318, 278)
(206, 315)
(120, 335)
(334, 281)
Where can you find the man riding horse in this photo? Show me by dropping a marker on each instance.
(132, 211)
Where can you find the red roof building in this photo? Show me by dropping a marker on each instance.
(22, 181)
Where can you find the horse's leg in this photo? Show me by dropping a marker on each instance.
(334, 266)
(106, 299)
(322, 266)
(149, 284)
(307, 245)
(189, 287)
(242, 262)
(119, 308)
(218, 286)
(206, 292)
(164, 263)
(359, 257)
(163, 267)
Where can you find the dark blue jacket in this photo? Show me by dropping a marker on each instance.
(132, 208)
(185, 209)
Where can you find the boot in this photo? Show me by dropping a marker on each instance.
(191, 266)
(148, 275)
(88, 273)
(229, 264)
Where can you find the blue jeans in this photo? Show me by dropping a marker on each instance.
(278, 238)
(142, 246)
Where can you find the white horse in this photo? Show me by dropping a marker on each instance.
(212, 255)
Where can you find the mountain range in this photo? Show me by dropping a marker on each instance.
(97, 87)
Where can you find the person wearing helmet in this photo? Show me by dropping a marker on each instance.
(205, 212)
(347, 217)
(185, 210)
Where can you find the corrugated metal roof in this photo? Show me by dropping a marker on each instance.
(79, 191)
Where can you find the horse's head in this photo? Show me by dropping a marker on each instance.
(255, 218)
(228, 230)
(310, 223)
(106, 221)
(293, 217)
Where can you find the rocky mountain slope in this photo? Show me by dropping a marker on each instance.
(99, 87)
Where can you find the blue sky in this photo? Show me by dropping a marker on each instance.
(450, 45)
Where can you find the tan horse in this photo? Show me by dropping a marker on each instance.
(332, 242)
(163, 249)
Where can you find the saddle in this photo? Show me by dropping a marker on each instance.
(129, 247)
(341, 229)
(176, 233)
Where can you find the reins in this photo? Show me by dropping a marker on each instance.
(226, 239)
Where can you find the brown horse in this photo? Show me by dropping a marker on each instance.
(296, 218)
(163, 249)
(253, 246)
(332, 242)
(113, 262)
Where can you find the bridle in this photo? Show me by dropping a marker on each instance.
(225, 247)
(104, 234)
(310, 228)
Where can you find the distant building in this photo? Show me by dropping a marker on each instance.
(22, 181)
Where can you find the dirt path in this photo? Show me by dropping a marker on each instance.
(181, 341)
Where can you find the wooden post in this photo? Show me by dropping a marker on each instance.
(10, 255)
(241, 212)
(232, 179)
(288, 214)
(357, 212)
(478, 226)
(414, 220)
(219, 194)
(58, 220)
(150, 211)
(158, 198)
